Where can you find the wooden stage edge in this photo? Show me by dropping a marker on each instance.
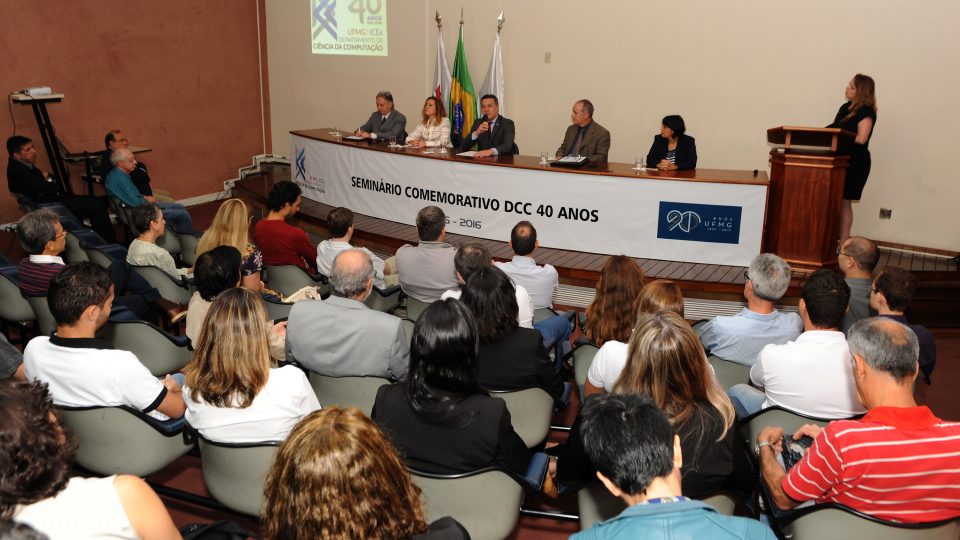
(936, 302)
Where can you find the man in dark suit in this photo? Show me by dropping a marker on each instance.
(492, 134)
(585, 137)
(386, 122)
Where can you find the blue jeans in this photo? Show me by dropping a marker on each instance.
(555, 330)
(746, 399)
(177, 215)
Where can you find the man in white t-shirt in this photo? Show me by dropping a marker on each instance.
(340, 225)
(539, 281)
(810, 375)
(83, 371)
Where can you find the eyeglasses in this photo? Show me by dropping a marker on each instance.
(840, 252)
(746, 275)
(61, 235)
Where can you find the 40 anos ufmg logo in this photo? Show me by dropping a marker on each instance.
(699, 222)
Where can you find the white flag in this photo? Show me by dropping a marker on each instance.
(493, 84)
(441, 79)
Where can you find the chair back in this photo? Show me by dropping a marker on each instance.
(13, 306)
(169, 241)
(825, 520)
(408, 326)
(384, 300)
(122, 212)
(169, 287)
(160, 352)
(115, 440)
(289, 279)
(97, 255)
(540, 314)
(359, 392)
(530, 412)
(582, 359)
(277, 310)
(776, 416)
(729, 373)
(188, 248)
(236, 474)
(75, 253)
(46, 324)
(486, 502)
(598, 504)
(415, 308)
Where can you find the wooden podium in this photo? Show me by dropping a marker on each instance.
(806, 190)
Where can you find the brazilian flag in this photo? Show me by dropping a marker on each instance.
(463, 100)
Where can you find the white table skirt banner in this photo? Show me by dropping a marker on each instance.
(674, 220)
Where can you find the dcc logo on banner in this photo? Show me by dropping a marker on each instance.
(699, 222)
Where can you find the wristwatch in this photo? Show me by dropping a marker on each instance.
(760, 445)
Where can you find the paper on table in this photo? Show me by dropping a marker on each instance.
(353, 138)
(468, 153)
(572, 159)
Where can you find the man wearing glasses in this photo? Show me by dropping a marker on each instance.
(857, 257)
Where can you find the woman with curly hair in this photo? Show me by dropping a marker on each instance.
(611, 315)
(337, 476)
(35, 483)
(231, 227)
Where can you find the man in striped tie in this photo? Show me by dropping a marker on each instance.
(897, 463)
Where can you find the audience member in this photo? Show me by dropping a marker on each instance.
(510, 357)
(231, 227)
(25, 178)
(896, 463)
(810, 375)
(37, 487)
(426, 270)
(337, 476)
(857, 257)
(340, 225)
(890, 296)
(386, 123)
(610, 316)
(539, 281)
(667, 363)
(147, 220)
(660, 295)
(115, 140)
(281, 243)
(232, 393)
(84, 371)
(739, 338)
(341, 336)
(639, 460)
(11, 361)
(119, 184)
(441, 419)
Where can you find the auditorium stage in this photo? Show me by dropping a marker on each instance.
(708, 289)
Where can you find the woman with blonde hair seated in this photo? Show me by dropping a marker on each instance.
(232, 393)
(231, 227)
(434, 129)
(337, 476)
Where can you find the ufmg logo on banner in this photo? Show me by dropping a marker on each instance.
(699, 222)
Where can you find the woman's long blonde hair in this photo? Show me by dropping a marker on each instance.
(666, 361)
(230, 227)
(231, 361)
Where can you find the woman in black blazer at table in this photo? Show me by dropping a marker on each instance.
(672, 149)
(440, 418)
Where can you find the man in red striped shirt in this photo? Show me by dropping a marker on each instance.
(899, 462)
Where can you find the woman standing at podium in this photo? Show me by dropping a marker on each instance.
(858, 114)
(434, 129)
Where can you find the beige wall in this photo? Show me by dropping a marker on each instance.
(731, 68)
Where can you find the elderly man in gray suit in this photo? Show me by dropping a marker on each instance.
(340, 336)
(387, 122)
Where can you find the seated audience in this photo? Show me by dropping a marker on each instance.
(639, 460)
(119, 184)
(739, 338)
(25, 178)
(232, 393)
(892, 293)
(441, 419)
(610, 316)
(539, 281)
(83, 371)
(337, 476)
(231, 227)
(434, 129)
(37, 487)
(667, 363)
(510, 357)
(658, 295)
(340, 225)
(810, 375)
(896, 463)
(281, 243)
(147, 220)
(341, 336)
(672, 149)
(426, 270)
(11, 361)
(857, 257)
(115, 140)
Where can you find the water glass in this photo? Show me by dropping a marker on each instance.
(543, 158)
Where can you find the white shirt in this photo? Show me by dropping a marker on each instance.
(607, 365)
(524, 314)
(46, 259)
(328, 250)
(811, 375)
(90, 373)
(282, 402)
(85, 508)
(540, 281)
(432, 134)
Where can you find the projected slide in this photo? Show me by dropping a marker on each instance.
(354, 27)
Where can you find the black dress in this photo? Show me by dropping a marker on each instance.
(859, 168)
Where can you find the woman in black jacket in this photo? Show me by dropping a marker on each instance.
(672, 149)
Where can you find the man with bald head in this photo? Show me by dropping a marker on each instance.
(585, 137)
(857, 257)
(119, 184)
(341, 336)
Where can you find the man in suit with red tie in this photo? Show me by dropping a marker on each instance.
(492, 134)
(585, 137)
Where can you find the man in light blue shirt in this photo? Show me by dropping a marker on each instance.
(739, 338)
(539, 281)
(120, 185)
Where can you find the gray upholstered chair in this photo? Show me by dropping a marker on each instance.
(277, 310)
(172, 288)
(582, 359)
(415, 308)
(159, 351)
(530, 411)
(486, 502)
(828, 520)
(359, 392)
(598, 504)
(384, 300)
(289, 279)
(729, 373)
(235, 474)
(46, 324)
